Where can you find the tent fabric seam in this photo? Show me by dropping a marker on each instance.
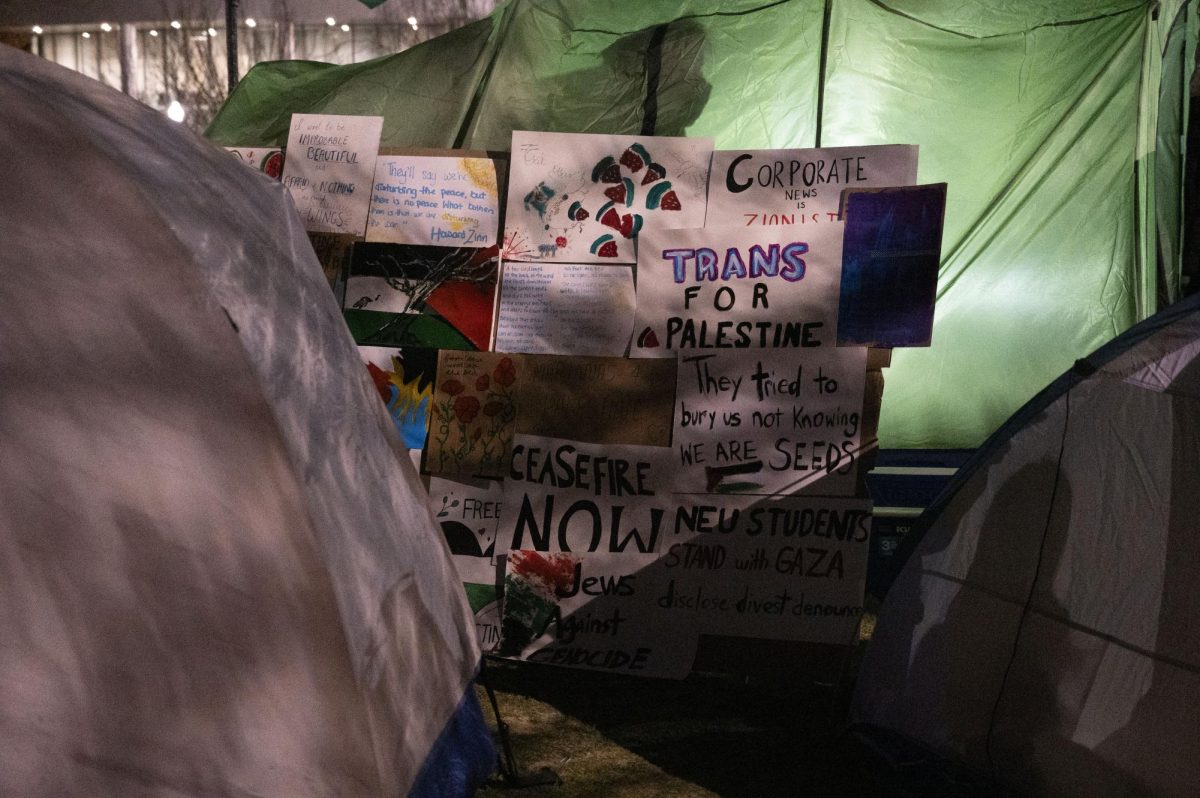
(709, 15)
(1027, 607)
(1058, 24)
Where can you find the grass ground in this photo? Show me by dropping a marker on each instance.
(628, 737)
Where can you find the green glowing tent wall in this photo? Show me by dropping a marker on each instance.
(1058, 126)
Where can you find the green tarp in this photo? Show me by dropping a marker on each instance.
(1057, 125)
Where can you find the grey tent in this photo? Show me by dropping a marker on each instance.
(218, 575)
(1046, 628)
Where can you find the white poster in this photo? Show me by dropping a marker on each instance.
(584, 198)
(770, 421)
(756, 188)
(565, 308)
(778, 569)
(732, 289)
(584, 525)
(468, 511)
(329, 165)
(438, 201)
(608, 570)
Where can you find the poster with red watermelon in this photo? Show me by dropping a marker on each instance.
(268, 160)
(584, 198)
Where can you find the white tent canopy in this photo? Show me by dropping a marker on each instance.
(218, 575)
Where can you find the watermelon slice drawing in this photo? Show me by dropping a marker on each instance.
(608, 216)
(605, 246)
(631, 225)
(662, 196)
(622, 192)
(648, 339)
(606, 170)
(635, 157)
(577, 213)
(654, 172)
(272, 165)
(602, 167)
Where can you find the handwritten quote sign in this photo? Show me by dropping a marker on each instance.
(439, 201)
(770, 422)
(756, 188)
(565, 309)
(328, 170)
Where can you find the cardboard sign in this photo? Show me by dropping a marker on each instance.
(737, 289)
(329, 166)
(610, 400)
(755, 188)
(441, 201)
(583, 198)
(565, 309)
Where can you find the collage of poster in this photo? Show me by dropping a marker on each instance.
(638, 388)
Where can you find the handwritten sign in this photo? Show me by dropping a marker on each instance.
(770, 422)
(473, 413)
(757, 188)
(782, 568)
(584, 198)
(607, 570)
(328, 170)
(737, 289)
(565, 309)
(439, 201)
(610, 400)
(581, 522)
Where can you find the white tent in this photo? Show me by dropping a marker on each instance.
(217, 572)
(1046, 628)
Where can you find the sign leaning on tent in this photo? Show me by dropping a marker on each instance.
(726, 497)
